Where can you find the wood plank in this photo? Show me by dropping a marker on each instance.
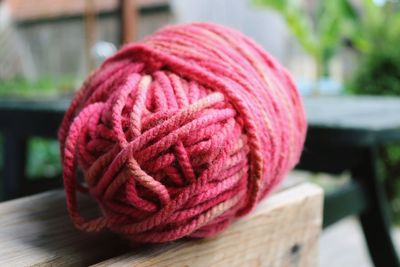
(283, 231)
(36, 230)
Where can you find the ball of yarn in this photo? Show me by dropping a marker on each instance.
(177, 135)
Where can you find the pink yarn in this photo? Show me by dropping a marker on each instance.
(180, 133)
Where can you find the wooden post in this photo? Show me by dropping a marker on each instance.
(128, 20)
(90, 33)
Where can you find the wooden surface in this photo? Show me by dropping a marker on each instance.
(282, 231)
(36, 230)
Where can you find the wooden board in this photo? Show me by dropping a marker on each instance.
(36, 230)
(282, 231)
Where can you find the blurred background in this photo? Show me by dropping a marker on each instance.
(338, 47)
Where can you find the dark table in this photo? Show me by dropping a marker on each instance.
(344, 135)
(20, 120)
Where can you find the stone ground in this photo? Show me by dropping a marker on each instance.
(343, 245)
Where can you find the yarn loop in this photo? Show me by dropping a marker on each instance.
(180, 133)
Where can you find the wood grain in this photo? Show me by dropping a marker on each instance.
(36, 230)
(282, 231)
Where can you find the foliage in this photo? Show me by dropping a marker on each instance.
(376, 26)
(43, 158)
(43, 86)
(377, 40)
(378, 72)
(319, 33)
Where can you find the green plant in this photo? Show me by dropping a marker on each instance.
(378, 72)
(376, 40)
(43, 158)
(320, 33)
(43, 86)
(375, 26)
